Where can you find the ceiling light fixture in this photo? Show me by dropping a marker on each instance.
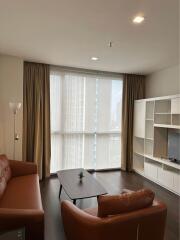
(94, 58)
(138, 19)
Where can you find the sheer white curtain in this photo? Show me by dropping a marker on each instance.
(85, 120)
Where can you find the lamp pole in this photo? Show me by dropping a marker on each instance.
(15, 107)
(14, 113)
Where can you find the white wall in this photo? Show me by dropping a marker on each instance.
(11, 90)
(163, 83)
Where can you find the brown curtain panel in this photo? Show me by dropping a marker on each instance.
(36, 116)
(133, 89)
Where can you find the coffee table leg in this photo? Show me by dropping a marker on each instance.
(60, 189)
(74, 201)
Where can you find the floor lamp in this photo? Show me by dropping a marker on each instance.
(14, 106)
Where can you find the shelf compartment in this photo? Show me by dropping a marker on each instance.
(138, 145)
(150, 110)
(175, 109)
(176, 119)
(160, 142)
(163, 106)
(162, 118)
(138, 163)
(149, 134)
(149, 147)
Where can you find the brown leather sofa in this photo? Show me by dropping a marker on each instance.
(20, 199)
(147, 223)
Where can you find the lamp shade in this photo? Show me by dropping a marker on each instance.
(15, 106)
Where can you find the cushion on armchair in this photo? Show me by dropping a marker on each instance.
(127, 202)
(5, 173)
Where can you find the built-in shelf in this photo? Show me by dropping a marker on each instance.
(153, 120)
(167, 126)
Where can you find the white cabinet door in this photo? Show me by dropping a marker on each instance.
(151, 170)
(175, 106)
(139, 119)
(176, 183)
(165, 177)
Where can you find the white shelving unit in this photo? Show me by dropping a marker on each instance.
(152, 119)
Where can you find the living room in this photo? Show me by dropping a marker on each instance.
(90, 120)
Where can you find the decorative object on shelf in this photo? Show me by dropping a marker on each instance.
(14, 106)
(81, 175)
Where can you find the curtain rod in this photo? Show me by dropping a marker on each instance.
(87, 71)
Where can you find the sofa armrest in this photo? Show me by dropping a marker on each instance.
(30, 219)
(20, 168)
(23, 215)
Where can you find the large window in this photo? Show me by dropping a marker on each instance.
(85, 120)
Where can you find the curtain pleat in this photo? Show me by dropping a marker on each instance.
(36, 116)
(133, 89)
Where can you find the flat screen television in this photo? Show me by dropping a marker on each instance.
(174, 144)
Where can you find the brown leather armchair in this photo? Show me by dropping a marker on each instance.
(20, 200)
(143, 224)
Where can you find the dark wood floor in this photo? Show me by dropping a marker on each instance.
(114, 182)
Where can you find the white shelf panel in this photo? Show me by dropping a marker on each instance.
(151, 139)
(159, 160)
(163, 161)
(159, 98)
(140, 154)
(163, 113)
(167, 126)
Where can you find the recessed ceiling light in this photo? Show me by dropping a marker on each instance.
(94, 58)
(138, 19)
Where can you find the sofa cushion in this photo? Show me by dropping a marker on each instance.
(5, 174)
(22, 193)
(5, 170)
(127, 202)
(2, 186)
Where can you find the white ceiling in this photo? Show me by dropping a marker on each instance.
(70, 32)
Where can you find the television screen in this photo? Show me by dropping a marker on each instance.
(174, 144)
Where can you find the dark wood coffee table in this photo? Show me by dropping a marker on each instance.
(76, 189)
